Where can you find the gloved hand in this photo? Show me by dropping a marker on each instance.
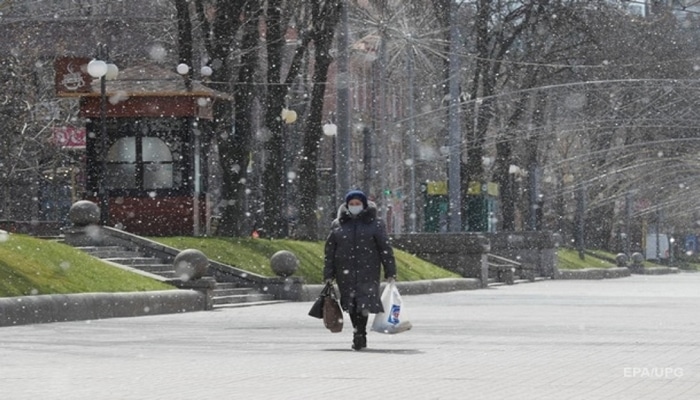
(391, 279)
(327, 281)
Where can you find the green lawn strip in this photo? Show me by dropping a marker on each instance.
(611, 257)
(34, 266)
(569, 259)
(30, 266)
(692, 267)
(254, 255)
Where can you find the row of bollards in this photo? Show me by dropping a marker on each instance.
(635, 263)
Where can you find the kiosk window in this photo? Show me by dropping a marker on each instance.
(139, 163)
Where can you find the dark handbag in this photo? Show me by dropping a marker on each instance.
(332, 314)
(317, 308)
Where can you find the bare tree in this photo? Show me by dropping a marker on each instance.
(231, 41)
(324, 19)
(26, 148)
(594, 109)
(277, 189)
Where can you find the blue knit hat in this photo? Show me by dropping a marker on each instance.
(356, 194)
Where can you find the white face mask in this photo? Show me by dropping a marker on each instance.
(354, 210)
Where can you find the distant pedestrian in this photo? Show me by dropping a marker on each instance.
(356, 249)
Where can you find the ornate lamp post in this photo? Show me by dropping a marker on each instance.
(101, 68)
(331, 130)
(184, 70)
(288, 118)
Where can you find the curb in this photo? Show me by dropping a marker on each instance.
(84, 306)
(594, 273)
(660, 271)
(38, 309)
(24, 310)
(611, 273)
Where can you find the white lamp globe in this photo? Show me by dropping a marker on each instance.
(206, 71)
(289, 116)
(183, 69)
(112, 72)
(97, 68)
(330, 129)
(284, 113)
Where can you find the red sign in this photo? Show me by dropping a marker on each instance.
(71, 75)
(69, 137)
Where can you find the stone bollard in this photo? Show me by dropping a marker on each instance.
(284, 263)
(86, 231)
(84, 213)
(287, 287)
(637, 266)
(621, 259)
(190, 265)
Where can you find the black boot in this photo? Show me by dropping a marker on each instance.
(359, 341)
(359, 324)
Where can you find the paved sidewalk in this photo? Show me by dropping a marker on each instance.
(630, 338)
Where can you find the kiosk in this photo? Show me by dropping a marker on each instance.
(151, 162)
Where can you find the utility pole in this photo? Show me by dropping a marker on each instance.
(628, 215)
(657, 229)
(412, 134)
(382, 152)
(343, 108)
(455, 135)
(580, 221)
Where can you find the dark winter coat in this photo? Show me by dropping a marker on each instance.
(354, 251)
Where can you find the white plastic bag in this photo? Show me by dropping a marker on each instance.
(392, 320)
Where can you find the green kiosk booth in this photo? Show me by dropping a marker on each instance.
(481, 206)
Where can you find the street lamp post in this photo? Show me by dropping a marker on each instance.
(509, 210)
(100, 68)
(628, 216)
(412, 135)
(184, 70)
(288, 118)
(342, 135)
(331, 130)
(455, 134)
(657, 229)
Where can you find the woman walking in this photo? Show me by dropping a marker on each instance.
(355, 250)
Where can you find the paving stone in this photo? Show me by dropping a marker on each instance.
(629, 338)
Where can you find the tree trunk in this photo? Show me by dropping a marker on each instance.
(184, 36)
(235, 144)
(504, 159)
(325, 20)
(275, 187)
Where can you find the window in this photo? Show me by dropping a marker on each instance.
(139, 163)
(121, 164)
(142, 155)
(158, 164)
